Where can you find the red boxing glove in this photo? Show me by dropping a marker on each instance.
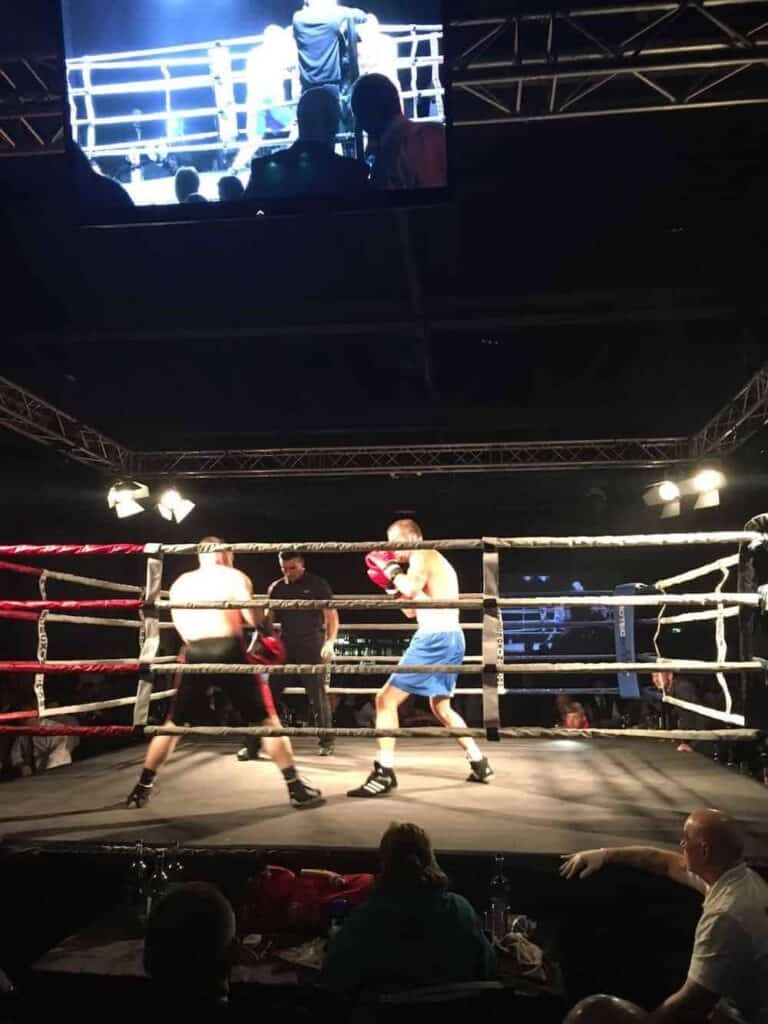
(382, 569)
(266, 650)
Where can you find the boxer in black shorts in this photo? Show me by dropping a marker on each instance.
(215, 636)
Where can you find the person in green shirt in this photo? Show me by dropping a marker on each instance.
(412, 931)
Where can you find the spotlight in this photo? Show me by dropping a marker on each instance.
(671, 509)
(668, 490)
(708, 480)
(708, 499)
(172, 506)
(124, 497)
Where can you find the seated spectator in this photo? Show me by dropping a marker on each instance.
(571, 712)
(186, 183)
(729, 964)
(32, 755)
(412, 931)
(408, 154)
(231, 189)
(188, 949)
(310, 166)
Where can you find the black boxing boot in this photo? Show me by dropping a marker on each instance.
(380, 782)
(142, 791)
(481, 771)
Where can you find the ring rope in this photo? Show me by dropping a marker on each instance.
(724, 567)
(47, 605)
(443, 732)
(693, 574)
(630, 540)
(705, 712)
(423, 732)
(22, 570)
(102, 705)
(168, 665)
(671, 620)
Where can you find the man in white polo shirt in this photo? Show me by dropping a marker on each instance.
(729, 964)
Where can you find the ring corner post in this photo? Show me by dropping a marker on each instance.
(151, 645)
(490, 639)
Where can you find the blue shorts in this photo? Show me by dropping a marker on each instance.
(431, 649)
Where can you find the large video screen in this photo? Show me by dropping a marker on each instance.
(183, 102)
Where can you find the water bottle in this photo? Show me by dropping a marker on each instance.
(499, 898)
(158, 883)
(137, 879)
(175, 868)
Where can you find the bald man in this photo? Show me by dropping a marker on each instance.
(729, 963)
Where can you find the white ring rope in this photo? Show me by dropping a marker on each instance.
(671, 620)
(724, 567)
(101, 705)
(729, 562)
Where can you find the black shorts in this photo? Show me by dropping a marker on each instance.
(249, 694)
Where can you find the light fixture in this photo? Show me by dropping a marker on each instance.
(708, 480)
(708, 499)
(668, 490)
(124, 497)
(671, 509)
(173, 507)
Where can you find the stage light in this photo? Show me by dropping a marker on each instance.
(708, 499)
(668, 490)
(670, 510)
(173, 507)
(708, 480)
(124, 497)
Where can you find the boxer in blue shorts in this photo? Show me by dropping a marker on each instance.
(438, 640)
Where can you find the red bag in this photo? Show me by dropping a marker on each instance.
(277, 900)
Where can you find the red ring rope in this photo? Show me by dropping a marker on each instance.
(29, 616)
(67, 730)
(39, 606)
(10, 716)
(72, 549)
(63, 667)
(28, 570)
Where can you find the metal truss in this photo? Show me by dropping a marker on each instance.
(742, 417)
(381, 460)
(31, 106)
(620, 58)
(36, 419)
(33, 417)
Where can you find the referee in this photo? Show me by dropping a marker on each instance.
(309, 637)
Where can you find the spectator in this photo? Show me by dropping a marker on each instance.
(408, 154)
(32, 755)
(729, 963)
(310, 166)
(682, 688)
(412, 931)
(231, 189)
(571, 713)
(186, 183)
(196, 197)
(188, 949)
(94, 189)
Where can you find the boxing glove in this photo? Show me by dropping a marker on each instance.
(382, 569)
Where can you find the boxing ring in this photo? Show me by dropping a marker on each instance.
(555, 789)
(201, 107)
